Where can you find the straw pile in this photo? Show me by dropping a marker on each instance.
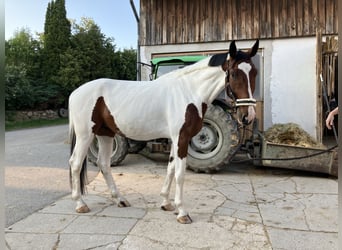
(291, 134)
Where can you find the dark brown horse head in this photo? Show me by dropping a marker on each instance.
(241, 75)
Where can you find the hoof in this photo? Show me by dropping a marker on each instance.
(83, 209)
(124, 204)
(184, 219)
(168, 207)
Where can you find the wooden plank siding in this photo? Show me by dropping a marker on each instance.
(193, 21)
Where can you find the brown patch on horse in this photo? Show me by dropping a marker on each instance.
(104, 121)
(192, 125)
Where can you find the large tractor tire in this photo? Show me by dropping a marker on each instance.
(120, 150)
(209, 150)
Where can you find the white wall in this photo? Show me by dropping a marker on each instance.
(289, 76)
(290, 85)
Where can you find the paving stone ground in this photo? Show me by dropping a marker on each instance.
(240, 207)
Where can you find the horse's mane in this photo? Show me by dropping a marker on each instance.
(188, 69)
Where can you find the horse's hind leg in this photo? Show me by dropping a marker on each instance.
(76, 161)
(103, 162)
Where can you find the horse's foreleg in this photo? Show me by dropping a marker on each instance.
(103, 162)
(165, 192)
(76, 160)
(183, 216)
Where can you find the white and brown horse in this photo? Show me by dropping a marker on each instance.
(172, 106)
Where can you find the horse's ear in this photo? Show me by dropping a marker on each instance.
(254, 49)
(232, 49)
(218, 59)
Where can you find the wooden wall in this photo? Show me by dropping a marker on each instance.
(192, 21)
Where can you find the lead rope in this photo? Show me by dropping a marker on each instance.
(289, 158)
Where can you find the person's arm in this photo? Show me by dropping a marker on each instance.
(330, 119)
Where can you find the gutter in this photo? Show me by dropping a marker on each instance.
(138, 47)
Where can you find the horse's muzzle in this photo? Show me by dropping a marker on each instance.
(245, 120)
(246, 115)
(246, 110)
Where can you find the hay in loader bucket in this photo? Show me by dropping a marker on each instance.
(291, 134)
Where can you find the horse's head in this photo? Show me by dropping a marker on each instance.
(240, 80)
(241, 75)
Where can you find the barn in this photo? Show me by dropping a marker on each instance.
(297, 41)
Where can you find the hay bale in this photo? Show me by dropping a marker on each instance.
(291, 134)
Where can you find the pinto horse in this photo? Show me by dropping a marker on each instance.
(172, 106)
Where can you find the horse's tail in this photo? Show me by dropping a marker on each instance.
(83, 174)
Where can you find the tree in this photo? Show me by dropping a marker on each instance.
(24, 49)
(57, 32)
(71, 73)
(95, 51)
(41, 73)
(125, 64)
(22, 73)
(92, 55)
(18, 88)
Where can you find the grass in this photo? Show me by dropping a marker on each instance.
(16, 125)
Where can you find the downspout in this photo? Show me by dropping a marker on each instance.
(138, 46)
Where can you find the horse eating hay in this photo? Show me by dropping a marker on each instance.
(172, 106)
